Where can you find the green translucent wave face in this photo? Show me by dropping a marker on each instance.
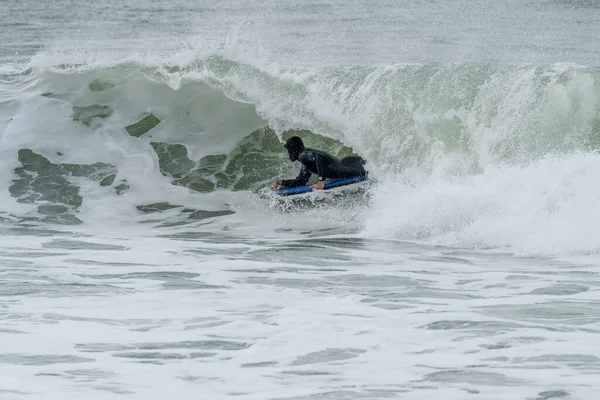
(50, 186)
(257, 160)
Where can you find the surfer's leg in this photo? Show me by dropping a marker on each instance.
(349, 167)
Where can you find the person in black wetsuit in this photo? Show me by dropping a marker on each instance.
(318, 162)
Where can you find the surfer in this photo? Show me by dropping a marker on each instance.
(318, 162)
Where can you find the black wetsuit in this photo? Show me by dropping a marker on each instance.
(326, 167)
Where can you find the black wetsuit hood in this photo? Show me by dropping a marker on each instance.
(294, 146)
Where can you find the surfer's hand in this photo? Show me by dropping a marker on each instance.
(319, 185)
(276, 183)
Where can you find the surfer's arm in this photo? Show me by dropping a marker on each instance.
(301, 179)
(276, 183)
(319, 185)
(321, 163)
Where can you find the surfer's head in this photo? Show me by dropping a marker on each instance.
(294, 147)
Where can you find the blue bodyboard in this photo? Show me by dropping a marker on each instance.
(329, 184)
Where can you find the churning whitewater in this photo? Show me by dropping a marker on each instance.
(142, 254)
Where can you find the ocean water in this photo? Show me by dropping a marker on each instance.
(141, 255)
